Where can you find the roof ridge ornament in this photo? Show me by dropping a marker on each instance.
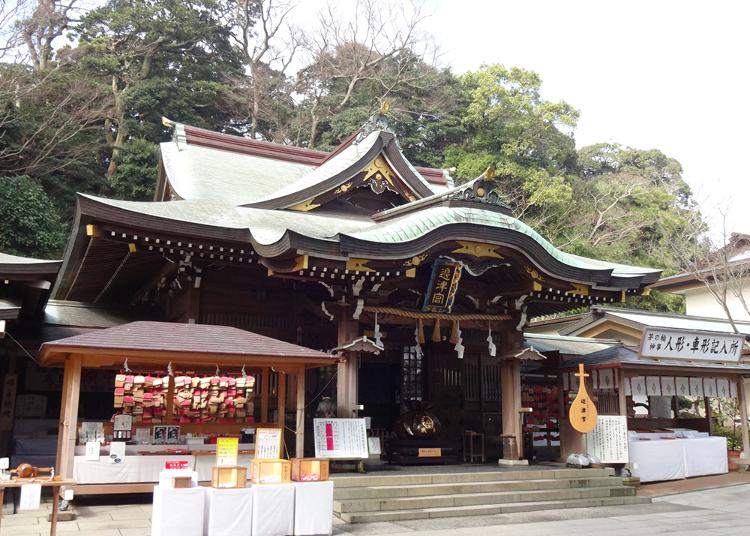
(377, 121)
(484, 189)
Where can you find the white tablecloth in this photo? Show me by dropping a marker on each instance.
(678, 458)
(178, 512)
(228, 512)
(273, 509)
(134, 469)
(313, 508)
(657, 459)
(706, 456)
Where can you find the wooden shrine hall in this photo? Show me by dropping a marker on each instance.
(424, 288)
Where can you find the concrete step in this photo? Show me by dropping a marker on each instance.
(488, 509)
(476, 499)
(477, 476)
(420, 490)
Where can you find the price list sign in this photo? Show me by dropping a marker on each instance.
(340, 438)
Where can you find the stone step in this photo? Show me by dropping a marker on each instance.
(420, 490)
(476, 499)
(478, 476)
(485, 509)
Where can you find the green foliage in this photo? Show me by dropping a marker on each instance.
(136, 175)
(30, 223)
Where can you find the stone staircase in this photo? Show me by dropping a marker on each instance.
(372, 498)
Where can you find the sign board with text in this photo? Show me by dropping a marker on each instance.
(691, 345)
(443, 286)
(608, 441)
(268, 443)
(226, 451)
(344, 439)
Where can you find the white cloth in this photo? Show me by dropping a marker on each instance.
(273, 510)
(228, 512)
(679, 458)
(313, 508)
(705, 456)
(682, 386)
(178, 512)
(638, 385)
(696, 386)
(131, 469)
(657, 460)
(709, 387)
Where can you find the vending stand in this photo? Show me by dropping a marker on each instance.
(180, 386)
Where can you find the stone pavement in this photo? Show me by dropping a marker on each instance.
(712, 512)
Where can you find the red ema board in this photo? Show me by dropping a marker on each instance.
(179, 464)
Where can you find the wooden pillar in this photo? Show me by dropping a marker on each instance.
(709, 414)
(300, 427)
(265, 380)
(281, 400)
(510, 393)
(68, 427)
(623, 400)
(743, 395)
(169, 418)
(347, 379)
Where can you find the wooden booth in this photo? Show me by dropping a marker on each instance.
(204, 380)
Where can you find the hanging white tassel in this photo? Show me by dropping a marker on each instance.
(376, 332)
(125, 365)
(490, 343)
(459, 347)
(170, 372)
(418, 348)
(244, 374)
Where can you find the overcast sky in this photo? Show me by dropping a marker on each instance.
(663, 74)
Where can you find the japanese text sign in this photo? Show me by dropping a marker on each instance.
(340, 438)
(691, 345)
(443, 286)
(268, 444)
(226, 451)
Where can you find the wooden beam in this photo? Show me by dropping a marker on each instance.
(281, 400)
(264, 385)
(300, 427)
(68, 427)
(742, 399)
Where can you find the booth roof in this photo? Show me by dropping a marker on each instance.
(196, 343)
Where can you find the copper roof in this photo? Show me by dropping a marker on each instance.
(15, 265)
(182, 343)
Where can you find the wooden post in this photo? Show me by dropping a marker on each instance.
(281, 400)
(709, 414)
(742, 399)
(510, 393)
(623, 401)
(300, 427)
(68, 427)
(347, 379)
(265, 380)
(169, 407)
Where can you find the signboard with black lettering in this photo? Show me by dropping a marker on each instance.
(609, 439)
(691, 345)
(443, 286)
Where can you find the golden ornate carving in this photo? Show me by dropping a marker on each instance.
(416, 260)
(305, 206)
(477, 249)
(411, 273)
(379, 175)
(359, 265)
(300, 263)
(343, 188)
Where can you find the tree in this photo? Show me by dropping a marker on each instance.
(30, 223)
(159, 57)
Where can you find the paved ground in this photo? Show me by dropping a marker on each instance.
(711, 512)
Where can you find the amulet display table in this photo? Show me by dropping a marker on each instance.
(45, 483)
(228, 512)
(313, 508)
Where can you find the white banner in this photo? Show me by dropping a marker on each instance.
(606, 379)
(638, 386)
(626, 386)
(696, 386)
(667, 386)
(691, 345)
(653, 386)
(682, 386)
(709, 387)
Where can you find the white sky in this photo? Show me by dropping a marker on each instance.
(665, 74)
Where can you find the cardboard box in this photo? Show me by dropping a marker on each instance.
(228, 477)
(309, 469)
(182, 482)
(270, 471)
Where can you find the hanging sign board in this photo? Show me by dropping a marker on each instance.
(691, 345)
(443, 286)
(268, 444)
(93, 449)
(31, 497)
(344, 439)
(608, 441)
(226, 451)
(583, 413)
